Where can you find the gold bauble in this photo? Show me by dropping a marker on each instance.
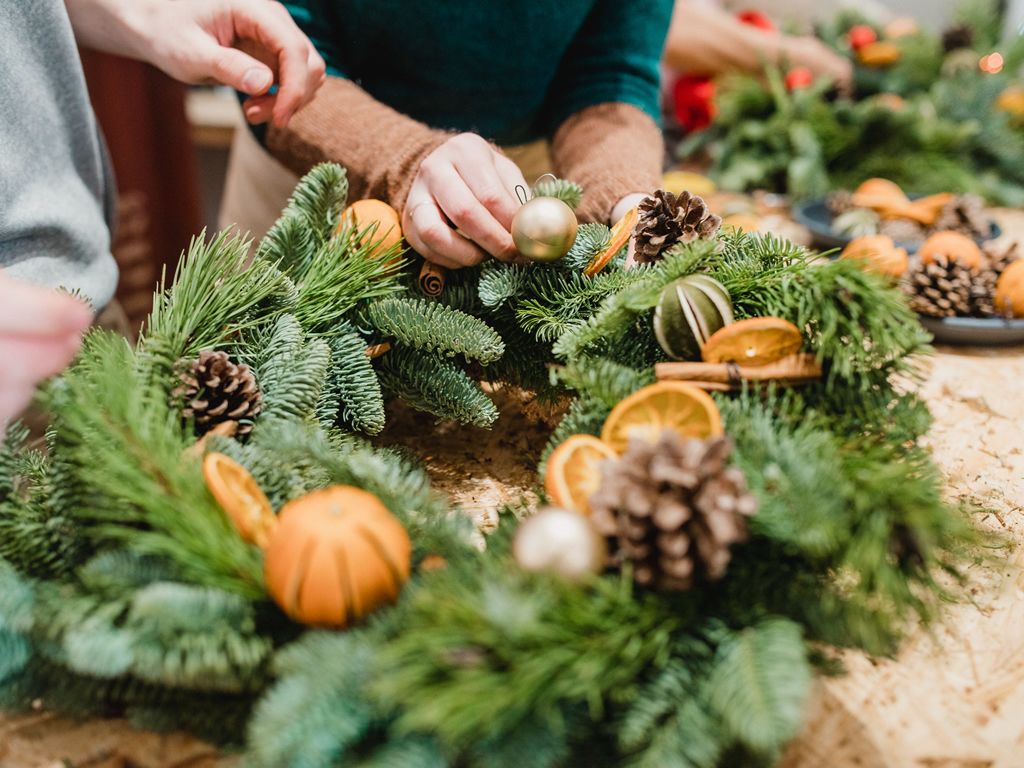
(544, 229)
(562, 542)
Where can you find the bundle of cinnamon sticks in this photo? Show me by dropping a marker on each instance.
(791, 371)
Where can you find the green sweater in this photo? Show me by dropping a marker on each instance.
(510, 70)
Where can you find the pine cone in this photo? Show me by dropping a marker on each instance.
(942, 288)
(673, 509)
(666, 220)
(902, 230)
(957, 37)
(965, 214)
(214, 390)
(996, 259)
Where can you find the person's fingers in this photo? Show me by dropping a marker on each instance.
(479, 170)
(272, 26)
(30, 310)
(233, 67)
(466, 212)
(431, 237)
(32, 359)
(511, 177)
(259, 109)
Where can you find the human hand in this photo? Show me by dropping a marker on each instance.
(40, 333)
(819, 58)
(247, 44)
(461, 204)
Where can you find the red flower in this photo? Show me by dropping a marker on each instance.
(860, 36)
(694, 98)
(757, 19)
(798, 78)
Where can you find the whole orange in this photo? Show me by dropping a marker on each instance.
(1010, 290)
(380, 222)
(954, 246)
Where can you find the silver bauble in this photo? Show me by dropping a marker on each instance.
(544, 229)
(562, 542)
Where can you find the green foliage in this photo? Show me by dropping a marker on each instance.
(569, 192)
(292, 373)
(432, 384)
(433, 327)
(759, 684)
(291, 244)
(125, 448)
(488, 649)
(318, 201)
(591, 239)
(353, 395)
(188, 316)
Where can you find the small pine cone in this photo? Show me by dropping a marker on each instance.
(902, 230)
(942, 288)
(666, 220)
(673, 509)
(957, 37)
(214, 390)
(965, 214)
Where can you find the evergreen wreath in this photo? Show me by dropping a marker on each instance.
(124, 587)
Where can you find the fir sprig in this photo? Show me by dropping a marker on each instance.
(433, 327)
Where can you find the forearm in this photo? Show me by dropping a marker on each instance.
(708, 40)
(613, 151)
(114, 26)
(381, 148)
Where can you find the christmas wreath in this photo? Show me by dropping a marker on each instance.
(210, 540)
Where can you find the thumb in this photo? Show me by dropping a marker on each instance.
(239, 70)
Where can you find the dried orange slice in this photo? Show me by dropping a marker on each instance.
(648, 412)
(241, 498)
(754, 341)
(573, 473)
(621, 233)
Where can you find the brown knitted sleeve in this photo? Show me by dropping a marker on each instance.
(612, 150)
(381, 148)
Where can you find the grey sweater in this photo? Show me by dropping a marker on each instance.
(56, 190)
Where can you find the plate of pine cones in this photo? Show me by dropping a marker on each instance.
(963, 302)
(879, 207)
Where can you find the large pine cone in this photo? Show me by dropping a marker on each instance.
(673, 509)
(214, 389)
(965, 214)
(943, 288)
(666, 220)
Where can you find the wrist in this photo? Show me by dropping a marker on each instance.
(122, 27)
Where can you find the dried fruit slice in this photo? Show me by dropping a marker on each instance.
(648, 412)
(573, 473)
(241, 498)
(755, 341)
(688, 312)
(621, 233)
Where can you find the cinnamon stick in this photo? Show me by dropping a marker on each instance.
(432, 278)
(793, 370)
(377, 350)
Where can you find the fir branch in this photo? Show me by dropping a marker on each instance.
(569, 192)
(501, 282)
(432, 327)
(124, 446)
(352, 395)
(319, 198)
(559, 301)
(591, 239)
(343, 274)
(432, 384)
(290, 245)
(602, 379)
(759, 684)
(486, 650)
(293, 373)
(216, 293)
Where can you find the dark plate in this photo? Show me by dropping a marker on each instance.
(975, 331)
(815, 215)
